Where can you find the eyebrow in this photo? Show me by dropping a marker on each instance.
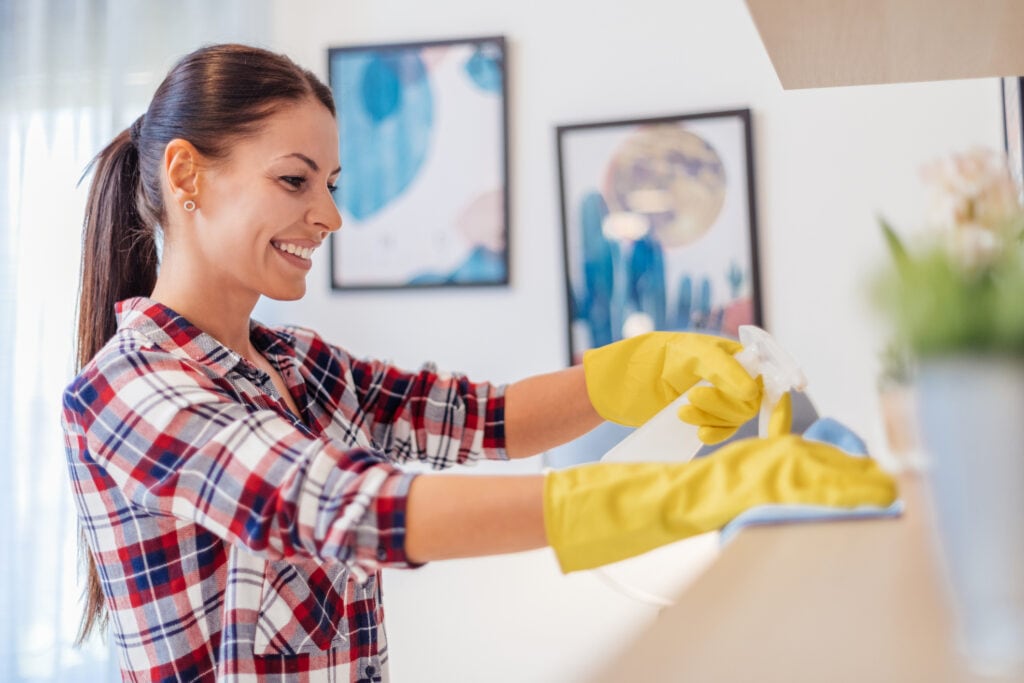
(309, 162)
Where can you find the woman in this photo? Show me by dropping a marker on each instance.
(238, 484)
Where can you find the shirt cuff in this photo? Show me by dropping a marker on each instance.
(392, 504)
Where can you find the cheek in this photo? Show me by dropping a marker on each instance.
(241, 220)
(225, 215)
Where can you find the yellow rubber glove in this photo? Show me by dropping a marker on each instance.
(605, 512)
(629, 381)
(718, 415)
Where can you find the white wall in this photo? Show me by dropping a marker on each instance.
(827, 162)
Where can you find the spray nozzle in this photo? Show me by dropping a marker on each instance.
(763, 356)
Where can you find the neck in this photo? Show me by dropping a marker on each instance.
(222, 314)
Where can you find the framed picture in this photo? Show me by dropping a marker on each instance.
(659, 226)
(423, 190)
(1013, 128)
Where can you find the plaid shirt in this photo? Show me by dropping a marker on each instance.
(234, 540)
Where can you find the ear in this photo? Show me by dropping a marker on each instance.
(182, 166)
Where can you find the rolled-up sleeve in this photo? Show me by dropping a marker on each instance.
(440, 419)
(427, 416)
(178, 443)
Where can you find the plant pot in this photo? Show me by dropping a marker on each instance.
(971, 411)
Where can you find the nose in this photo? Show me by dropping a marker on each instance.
(325, 214)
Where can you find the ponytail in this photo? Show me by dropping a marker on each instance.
(119, 260)
(210, 97)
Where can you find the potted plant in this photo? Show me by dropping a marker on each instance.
(955, 297)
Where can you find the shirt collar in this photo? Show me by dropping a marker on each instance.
(173, 333)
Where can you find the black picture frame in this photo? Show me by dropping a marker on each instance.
(1013, 127)
(659, 217)
(424, 187)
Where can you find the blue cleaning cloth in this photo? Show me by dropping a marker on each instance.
(829, 431)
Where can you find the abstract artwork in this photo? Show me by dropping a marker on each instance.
(659, 226)
(423, 143)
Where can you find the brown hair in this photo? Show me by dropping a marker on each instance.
(210, 97)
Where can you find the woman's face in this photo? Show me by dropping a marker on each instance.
(266, 208)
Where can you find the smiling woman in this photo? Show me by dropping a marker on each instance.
(240, 486)
(236, 506)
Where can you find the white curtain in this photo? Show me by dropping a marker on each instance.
(72, 74)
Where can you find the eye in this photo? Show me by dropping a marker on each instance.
(332, 188)
(295, 181)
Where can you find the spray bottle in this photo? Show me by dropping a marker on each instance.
(763, 356)
(667, 438)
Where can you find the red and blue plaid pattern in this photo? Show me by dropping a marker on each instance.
(236, 541)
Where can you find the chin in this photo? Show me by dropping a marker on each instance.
(286, 293)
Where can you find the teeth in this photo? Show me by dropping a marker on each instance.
(303, 252)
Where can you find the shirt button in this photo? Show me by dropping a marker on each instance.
(382, 553)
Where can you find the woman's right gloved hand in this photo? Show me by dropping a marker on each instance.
(718, 416)
(629, 381)
(605, 512)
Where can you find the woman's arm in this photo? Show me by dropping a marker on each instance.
(595, 514)
(466, 516)
(548, 410)
(433, 418)
(451, 516)
(178, 444)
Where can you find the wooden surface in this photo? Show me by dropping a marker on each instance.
(824, 602)
(817, 43)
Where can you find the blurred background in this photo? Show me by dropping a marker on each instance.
(75, 72)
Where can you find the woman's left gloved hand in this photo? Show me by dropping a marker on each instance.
(604, 512)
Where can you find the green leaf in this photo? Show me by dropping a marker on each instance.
(896, 248)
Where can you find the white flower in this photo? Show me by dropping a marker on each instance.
(973, 187)
(973, 198)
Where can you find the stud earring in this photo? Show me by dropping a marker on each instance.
(189, 205)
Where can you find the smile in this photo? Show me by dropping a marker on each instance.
(288, 248)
